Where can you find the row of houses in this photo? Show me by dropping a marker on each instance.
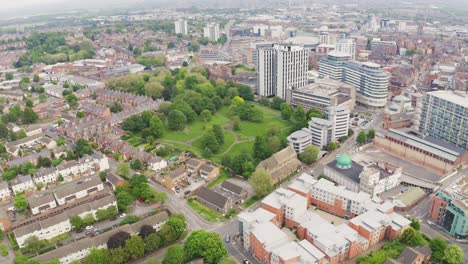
(65, 193)
(78, 250)
(29, 142)
(59, 224)
(192, 167)
(321, 241)
(66, 172)
(92, 126)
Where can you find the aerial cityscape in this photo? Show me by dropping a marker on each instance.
(224, 132)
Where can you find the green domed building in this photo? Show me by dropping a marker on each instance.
(344, 161)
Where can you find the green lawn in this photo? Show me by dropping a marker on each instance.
(204, 211)
(190, 138)
(196, 129)
(251, 201)
(224, 176)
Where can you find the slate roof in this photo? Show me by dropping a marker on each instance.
(212, 197)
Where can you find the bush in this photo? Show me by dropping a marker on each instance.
(3, 250)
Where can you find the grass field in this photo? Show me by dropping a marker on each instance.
(224, 176)
(235, 142)
(204, 211)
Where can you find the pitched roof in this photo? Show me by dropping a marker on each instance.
(212, 197)
(75, 186)
(232, 187)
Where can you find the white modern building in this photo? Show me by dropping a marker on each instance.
(327, 38)
(339, 117)
(370, 80)
(281, 67)
(181, 27)
(300, 139)
(321, 130)
(211, 31)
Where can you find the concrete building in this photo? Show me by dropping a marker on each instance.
(449, 208)
(432, 154)
(5, 192)
(382, 49)
(280, 67)
(286, 205)
(77, 189)
(321, 131)
(370, 80)
(22, 183)
(297, 252)
(181, 27)
(324, 92)
(41, 202)
(339, 117)
(444, 116)
(300, 139)
(372, 178)
(211, 31)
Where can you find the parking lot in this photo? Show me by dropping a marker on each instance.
(360, 120)
(194, 181)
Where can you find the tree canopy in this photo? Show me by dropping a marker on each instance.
(206, 245)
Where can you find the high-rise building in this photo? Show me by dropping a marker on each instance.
(332, 66)
(181, 27)
(211, 31)
(339, 116)
(346, 46)
(370, 80)
(444, 116)
(281, 67)
(327, 38)
(449, 208)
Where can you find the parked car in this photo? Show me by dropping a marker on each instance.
(113, 218)
(123, 215)
(246, 261)
(227, 238)
(89, 227)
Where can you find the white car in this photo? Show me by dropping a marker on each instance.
(89, 227)
(123, 215)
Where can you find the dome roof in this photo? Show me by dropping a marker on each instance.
(344, 161)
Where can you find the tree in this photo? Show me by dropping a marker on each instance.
(29, 102)
(152, 242)
(20, 203)
(219, 133)
(33, 243)
(176, 120)
(331, 146)
(124, 199)
(96, 256)
(80, 114)
(310, 154)
(118, 239)
(414, 223)
(177, 224)
(300, 118)
(129, 219)
(134, 247)
(72, 100)
(123, 170)
(453, 254)
(236, 123)
(408, 236)
(276, 103)
(104, 214)
(361, 138)
(174, 255)
(438, 246)
(146, 230)
(136, 164)
(206, 245)
(227, 260)
(156, 126)
(370, 134)
(9, 76)
(77, 222)
(29, 116)
(83, 147)
(42, 97)
(261, 183)
(209, 143)
(286, 111)
(205, 115)
(160, 197)
(36, 78)
(260, 148)
(22, 134)
(117, 256)
(116, 108)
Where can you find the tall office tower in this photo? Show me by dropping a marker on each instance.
(332, 65)
(372, 24)
(181, 27)
(279, 68)
(211, 31)
(346, 46)
(370, 80)
(444, 116)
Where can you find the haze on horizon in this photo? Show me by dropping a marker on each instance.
(24, 8)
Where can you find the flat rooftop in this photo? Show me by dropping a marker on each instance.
(459, 98)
